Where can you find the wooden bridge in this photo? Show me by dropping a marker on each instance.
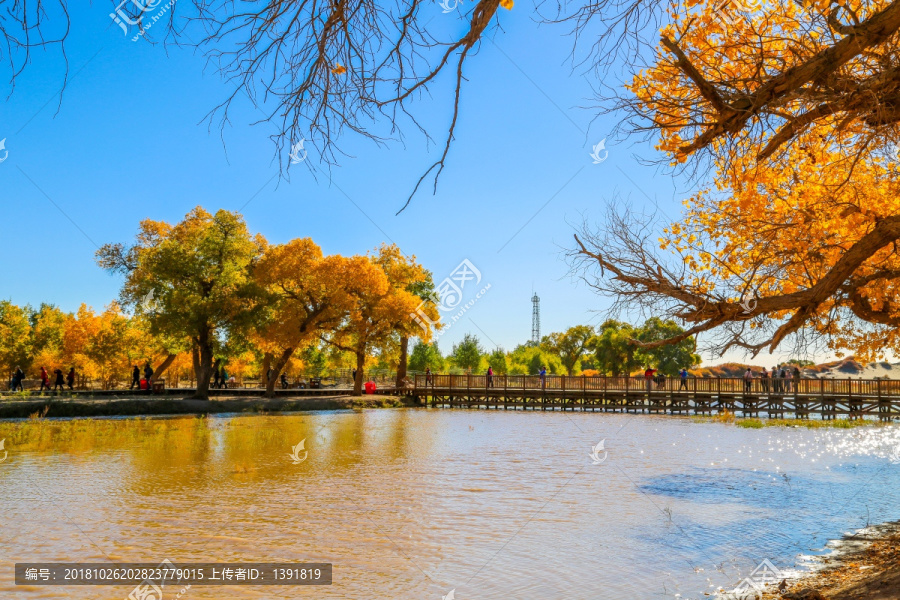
(778, 398)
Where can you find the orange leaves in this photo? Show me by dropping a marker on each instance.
(507, 4)
(339, 69)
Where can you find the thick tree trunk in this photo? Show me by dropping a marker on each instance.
(162, 368)
(401, 366)
(205, 368)
(277, 369)
(267, 364)
(357, 383)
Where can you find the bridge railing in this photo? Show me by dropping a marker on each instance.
(705, 385)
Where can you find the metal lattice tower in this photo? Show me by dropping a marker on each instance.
(536, 319)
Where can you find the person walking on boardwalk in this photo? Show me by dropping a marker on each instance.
(148, 372)
(215, 378)
(648, 377)
(797, 375)
(776, 381)
(60, 382)
(748, 380)
(684, 375)
(18, 376)
(490, 376)
(427, 375)
(543, 376)
(788, 376)
(284, 382)
(70, 378)
(135, 378)
(765, 380)
(223, 378)
(45, 380)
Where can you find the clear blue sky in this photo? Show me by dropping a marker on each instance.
(128, 142)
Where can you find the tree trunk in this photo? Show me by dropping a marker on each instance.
(401, 366)
(267, 364)
(357, 383)
(279, 366)
(162, 368)
(205, 369)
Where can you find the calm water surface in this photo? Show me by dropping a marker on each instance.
(409, 504)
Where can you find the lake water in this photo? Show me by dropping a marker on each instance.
(413, 503)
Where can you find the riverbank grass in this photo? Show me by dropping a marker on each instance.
(755, 423)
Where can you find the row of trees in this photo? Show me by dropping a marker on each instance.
(206, 286)
(103, 347)
(613, 348)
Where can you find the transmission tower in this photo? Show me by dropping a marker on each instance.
(536, 319)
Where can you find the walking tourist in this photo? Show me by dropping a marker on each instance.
(70, 378)
(215, 377)
(543, 376)
(490, 376)
(223, 378)
(788, 376)
(148, 372)
(748, 380)
(765, 380)
(284, 382)
(18, 376)
(776, 380)
(427, 375)
(45, 380)
(684, 375)
(370, 386)
(59, 380)
(648, 377)
(135, 378)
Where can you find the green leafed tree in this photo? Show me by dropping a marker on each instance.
(497, 360)
(569, 345)
(15, 337)
(191, 280)
(426, 356)
(614, 351)
(467, 353)
(668, 358)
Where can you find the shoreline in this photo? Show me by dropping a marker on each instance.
(149, 406)
(861, 566)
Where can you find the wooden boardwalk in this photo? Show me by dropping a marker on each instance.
(774, 398)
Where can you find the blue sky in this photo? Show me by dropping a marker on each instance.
(128, 141)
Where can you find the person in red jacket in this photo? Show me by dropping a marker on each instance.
(45, 380)
(370, 386)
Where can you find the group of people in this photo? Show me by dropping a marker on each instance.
(60, 380)
(782, 379)
(221, 379)
(141, 383)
